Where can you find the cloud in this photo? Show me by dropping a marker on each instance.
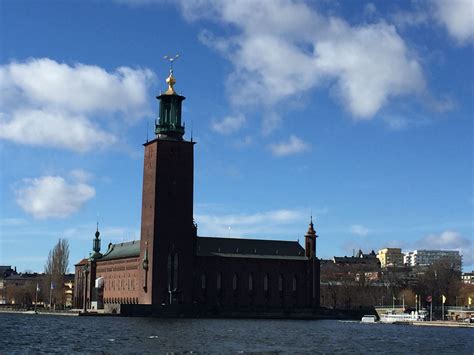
(450, 240)
(246, 224)
(12, 222)
(283, 49)
(228, 124)
(359, 230)
(53, 129)
(46, 103)
(293, 145)
(458, 18)
(52, 196)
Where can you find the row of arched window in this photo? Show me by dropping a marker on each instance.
(128, 284)
(121, 300)
(235, 283)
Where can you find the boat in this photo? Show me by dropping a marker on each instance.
(369, 319)
(414, 316)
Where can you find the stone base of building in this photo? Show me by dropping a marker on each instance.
(190, 311)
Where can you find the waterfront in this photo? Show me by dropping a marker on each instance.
(43, 333)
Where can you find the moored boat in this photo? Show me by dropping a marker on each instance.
(414, 316)
(369, 319)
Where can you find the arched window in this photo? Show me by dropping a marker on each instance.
(250, 282)
(265, 282)
(170, 264)
(203, 281)
(234, 282)
(294, 283)
(175, 275)
(280, 283)
(219, 281)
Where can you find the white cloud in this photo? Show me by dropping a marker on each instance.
(12, 222)
(458, 18)
(228, 124)
(52, 196)
(449, 240)
(360, 230)
(293, 145)
(53, 129)
(283, 49)
(245, 224)
(404, 19)
(46, 103)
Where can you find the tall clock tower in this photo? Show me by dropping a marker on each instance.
(168, 232)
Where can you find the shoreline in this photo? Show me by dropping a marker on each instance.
(79, 313)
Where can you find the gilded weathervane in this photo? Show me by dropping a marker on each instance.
(170, 80)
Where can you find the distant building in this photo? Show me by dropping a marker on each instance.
(468, 277)
(359, 259)
(428, 257)
(5, 271)
(390, 257)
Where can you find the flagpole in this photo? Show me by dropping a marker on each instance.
(50, 294)
(431, 310)
(36, 296)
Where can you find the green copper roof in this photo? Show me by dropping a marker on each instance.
(250, 248)
(122, 250)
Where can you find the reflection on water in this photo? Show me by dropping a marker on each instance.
(41, 333)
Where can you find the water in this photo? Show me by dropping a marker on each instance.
(20, 333)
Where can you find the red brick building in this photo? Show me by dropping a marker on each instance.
(171, 264)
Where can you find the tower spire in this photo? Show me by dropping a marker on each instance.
(169, 124)
(96, 243)
(310, 240)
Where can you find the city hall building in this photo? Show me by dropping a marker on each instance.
(171, 264)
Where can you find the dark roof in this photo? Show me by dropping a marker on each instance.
(122, 250)
(366, 259)
(249, 248)
(82, 262)
(6, 270)
(25, 276)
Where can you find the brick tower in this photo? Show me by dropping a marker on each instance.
(168, 233)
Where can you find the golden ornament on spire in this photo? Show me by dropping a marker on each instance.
(170, 80)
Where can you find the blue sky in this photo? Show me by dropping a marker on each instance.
(360, 113)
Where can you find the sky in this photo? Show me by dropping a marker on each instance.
(359, 113)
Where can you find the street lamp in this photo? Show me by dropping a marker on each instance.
(85, 269)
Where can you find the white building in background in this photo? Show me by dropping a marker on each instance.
(428, 257)
(468, 277)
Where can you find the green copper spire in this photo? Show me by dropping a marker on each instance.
(96, 245)
(169, 124)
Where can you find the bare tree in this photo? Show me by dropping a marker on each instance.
(55, 268)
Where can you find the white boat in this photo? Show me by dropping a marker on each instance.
(368, 319)
(403, 317)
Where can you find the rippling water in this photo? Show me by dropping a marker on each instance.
(42, 333)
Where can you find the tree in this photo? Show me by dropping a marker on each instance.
(441, 278)
(55, 268)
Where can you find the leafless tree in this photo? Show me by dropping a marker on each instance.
(55, 268)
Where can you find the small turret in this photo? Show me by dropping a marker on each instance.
(310, 240)
(96, 245)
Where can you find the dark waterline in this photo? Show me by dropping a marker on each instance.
(41, 333)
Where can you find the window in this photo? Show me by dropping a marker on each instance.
(265, 282)
(170, 263)
(294, 283)
(203, 281)
(219, 281)
(280, 283)
(234, 282)
(250, 282)
(175, 275)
